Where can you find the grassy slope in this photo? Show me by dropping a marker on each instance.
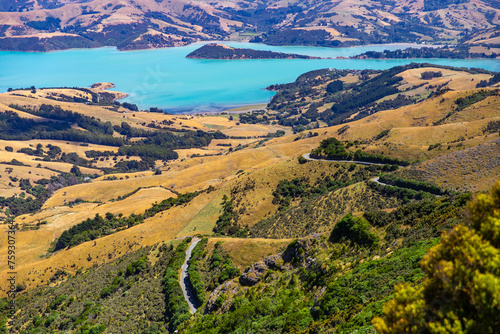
(244, 252)
(275, 160)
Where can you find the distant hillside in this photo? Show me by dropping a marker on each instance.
(332, 96)
(126, 24)
(460, 52)
(221, 51)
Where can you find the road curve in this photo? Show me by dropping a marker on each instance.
(376, 180)
(307, 156)
(185, 284)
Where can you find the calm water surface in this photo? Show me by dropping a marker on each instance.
(165, 78)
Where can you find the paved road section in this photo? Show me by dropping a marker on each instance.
(185, 285)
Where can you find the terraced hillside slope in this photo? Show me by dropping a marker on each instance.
(55, 25)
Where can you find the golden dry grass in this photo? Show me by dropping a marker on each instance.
(63, 217)
(411, 134)
(411, 131)
(34, 269)
(188, 175)
(188, 153)
(485, 50)
(20, 172)
(331, 31)
(66, 147)
(35, 169)
(458, 80)
(247, 108)
(244, 252)
(138, 119)
(251, 130)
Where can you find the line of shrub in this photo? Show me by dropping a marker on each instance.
(334, 149)
(195, 278)
(411, 184)
(177, 308)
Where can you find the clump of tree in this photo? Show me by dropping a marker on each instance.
(94, 228)
(354, 229)
(18, 205)
(156, 144)
(221, 262)
(492, 81)
(50, 23)
(253, 118)
(170, 202)
(130, 106)
(227, 223)
(335, 86)
(411, 184)
(195, 279)
(428, 75)
(460, 293)
(133, 268)
(217, 51)
(209, 270)
(459, 52)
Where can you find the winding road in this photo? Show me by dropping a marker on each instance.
(307, 156)
(185, 284)
(375, 179)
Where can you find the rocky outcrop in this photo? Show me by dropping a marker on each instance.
(296, 254)
(215, 302)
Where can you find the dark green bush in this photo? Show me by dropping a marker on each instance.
(354, 229)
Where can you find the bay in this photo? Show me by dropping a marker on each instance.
(164, 78)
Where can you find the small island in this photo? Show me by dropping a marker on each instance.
(221, 51)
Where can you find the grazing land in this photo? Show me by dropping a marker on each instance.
(106, 199)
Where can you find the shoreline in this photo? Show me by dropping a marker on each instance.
(405, 45)
(218, 110)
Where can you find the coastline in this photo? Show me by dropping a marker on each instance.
(201, 43)
(169, 81)
(217, 110)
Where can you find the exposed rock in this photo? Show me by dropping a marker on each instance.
(251, 275)
(230, 287)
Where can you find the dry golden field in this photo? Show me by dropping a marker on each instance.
(244, 252)
(252, 171)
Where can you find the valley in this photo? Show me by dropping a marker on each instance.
(289, 229)
(302, 166)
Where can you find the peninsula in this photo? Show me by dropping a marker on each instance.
(222, 51)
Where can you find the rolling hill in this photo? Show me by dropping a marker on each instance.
(319, 238)
(55, 25)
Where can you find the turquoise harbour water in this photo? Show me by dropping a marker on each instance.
(164, 78)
